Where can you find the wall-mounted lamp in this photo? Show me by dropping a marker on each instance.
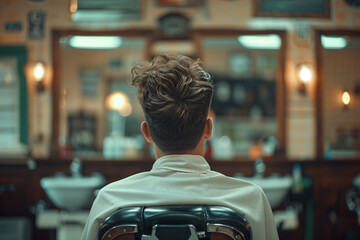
(38, 73)
(305, 74)
(345, 99)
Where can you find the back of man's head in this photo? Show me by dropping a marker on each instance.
(175, 94)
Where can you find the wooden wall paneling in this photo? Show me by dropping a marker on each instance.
(334, 188)
(330, 182)
(13, 203)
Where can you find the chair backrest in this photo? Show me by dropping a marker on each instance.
(177, 222)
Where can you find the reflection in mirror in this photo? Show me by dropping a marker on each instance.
(339, 120)
(99, 114)
(245, 70)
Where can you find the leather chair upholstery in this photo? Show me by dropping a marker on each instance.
(177, 222)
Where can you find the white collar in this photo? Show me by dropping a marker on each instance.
(182, 163)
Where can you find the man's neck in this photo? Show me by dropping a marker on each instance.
(198, 150)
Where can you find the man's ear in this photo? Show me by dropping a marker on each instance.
(208, 129)
(145, 131)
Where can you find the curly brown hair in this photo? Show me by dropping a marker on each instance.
(175, 94)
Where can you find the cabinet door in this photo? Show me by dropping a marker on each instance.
(13, 197)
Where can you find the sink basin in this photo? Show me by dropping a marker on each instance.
(275, 187)
(72, 193)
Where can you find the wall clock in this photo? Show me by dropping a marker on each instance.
(174, 25)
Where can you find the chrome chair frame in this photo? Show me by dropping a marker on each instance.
(177, 222)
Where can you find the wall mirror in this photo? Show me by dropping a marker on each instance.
(338, 94)
(248, 104)
(248, 72)
(94, 108)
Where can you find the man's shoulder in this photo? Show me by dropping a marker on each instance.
(234, 181)
(126, 181)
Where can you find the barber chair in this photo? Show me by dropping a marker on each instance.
(178, 222)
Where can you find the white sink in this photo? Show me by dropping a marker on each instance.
(72, 193)
(275, 187)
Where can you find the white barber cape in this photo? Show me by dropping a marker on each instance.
(184, 179)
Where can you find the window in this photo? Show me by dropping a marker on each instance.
(13, 101)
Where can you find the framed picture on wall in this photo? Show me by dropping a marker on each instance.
(293, 8)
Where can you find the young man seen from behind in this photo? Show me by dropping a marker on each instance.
(175, 94)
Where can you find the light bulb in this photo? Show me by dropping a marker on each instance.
(39, 71)
(116, 101)
(125, 110)
(305, 73)
(345, 98)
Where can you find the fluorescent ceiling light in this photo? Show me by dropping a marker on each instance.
(333, 42)
(271, 41)
(95, 42)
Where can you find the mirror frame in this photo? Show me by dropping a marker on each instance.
(56, 66)
(320, 83)
(281, 97)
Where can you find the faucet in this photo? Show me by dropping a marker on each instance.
(76, 167)
(259, 168)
